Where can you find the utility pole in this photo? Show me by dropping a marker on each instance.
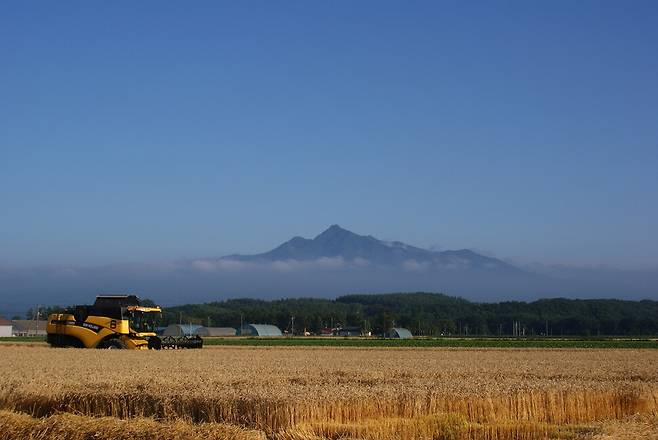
(36, 327)
(241, 326)
(292, 325)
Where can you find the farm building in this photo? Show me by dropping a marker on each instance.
(400, 333)
(28, 327)
(326, 331)
(349, 331)
(5, 327)
(216, 331)
(260, 330)
(180, 330)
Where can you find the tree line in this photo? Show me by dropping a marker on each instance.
(430, 314)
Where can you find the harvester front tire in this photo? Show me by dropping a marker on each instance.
(62, 341)
(113, 344)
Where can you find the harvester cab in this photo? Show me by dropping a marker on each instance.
(113, 321)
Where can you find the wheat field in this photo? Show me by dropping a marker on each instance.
(327, 393)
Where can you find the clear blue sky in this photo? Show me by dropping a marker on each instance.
(151, 131)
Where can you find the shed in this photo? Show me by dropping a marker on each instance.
(400, 333)
(260, 330)
(349, 331)
(5, 327)
(29, 327)
(180, 330)
(215, 331)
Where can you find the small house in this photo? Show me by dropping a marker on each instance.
(28, 327)
(5, 327)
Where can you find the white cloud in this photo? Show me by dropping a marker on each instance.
(330, 262)
(204, 265)
(228, 265)
(285, 265)
(220, 265)
(415, 266)
(320, 263)
(455, 263)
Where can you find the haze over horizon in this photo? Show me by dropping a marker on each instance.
(141, 135)
(333, 263)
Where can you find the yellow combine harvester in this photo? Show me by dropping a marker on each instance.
(114, 321)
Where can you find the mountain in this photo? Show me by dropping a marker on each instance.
(336, 242)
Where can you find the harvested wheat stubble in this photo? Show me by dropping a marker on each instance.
(639, 427)
(339, 392)
(74, 427)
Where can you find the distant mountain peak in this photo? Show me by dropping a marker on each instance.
(334, 231)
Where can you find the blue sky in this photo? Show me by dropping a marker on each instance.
(152, 131)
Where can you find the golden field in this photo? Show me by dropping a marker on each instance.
(328, 393)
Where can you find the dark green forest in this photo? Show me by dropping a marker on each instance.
(431, 314)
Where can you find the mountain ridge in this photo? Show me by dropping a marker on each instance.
(337, 242)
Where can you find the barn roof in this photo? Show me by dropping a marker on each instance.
(180, 329)
(216, 331)
(265, 330)
(28, 324)
(4, 321)
(402, 333)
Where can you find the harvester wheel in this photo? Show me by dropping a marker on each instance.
(113, 344)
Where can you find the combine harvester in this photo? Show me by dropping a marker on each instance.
(116, 321)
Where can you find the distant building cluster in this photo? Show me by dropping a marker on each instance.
(355, 331)
(258, 330)
(267, 330)
(29, 327)
(22, 327)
